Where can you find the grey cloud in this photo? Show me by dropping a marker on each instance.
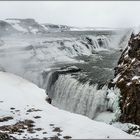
(75, 13)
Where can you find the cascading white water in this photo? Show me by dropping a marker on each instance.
(98, 42)
(69, 94)
(66, 92)
(76, 46)
(33, 58)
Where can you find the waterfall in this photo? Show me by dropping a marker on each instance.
(66, 91)
(71, 47)
(98, 42)
(69, 94)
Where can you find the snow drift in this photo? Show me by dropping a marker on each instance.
(22, 95)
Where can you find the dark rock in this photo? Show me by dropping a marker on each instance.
(67, 137)
(89, 40)
(6, 119)
(121, 50)
(30, 130)
(44, 132)
(28, 122)
(134, 129)
(55, 138)
(17, 110)
(59, 134)
(57, 129)
(100, 42)
(128, 67)
(38, 129)
(33, 110)
(4, 136)
(51, 124)
(12, 108)
(18, 127)
(49, 100)
(111, 84)
(37, 117)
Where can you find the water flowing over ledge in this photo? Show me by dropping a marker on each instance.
(39, 60)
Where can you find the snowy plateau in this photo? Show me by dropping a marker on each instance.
(55, 79)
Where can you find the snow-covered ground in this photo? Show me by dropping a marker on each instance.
(22, 95)
(30, 26)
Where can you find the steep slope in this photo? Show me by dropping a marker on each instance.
(6, 28)
(24, 113)
(128, 81)
(26, 26)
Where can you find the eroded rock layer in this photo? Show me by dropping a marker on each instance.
(127, 79)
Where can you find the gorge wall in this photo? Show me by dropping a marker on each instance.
(127, 75)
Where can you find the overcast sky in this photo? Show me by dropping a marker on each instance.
(75, 13)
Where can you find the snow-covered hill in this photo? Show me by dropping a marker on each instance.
(24, 108)
(56, 28)
(26, 26)
(30, 26)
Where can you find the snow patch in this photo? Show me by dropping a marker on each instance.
(135, 77)
(23, 95)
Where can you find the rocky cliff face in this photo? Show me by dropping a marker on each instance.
(127, 78)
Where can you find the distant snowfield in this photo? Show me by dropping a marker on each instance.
(22, 95)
